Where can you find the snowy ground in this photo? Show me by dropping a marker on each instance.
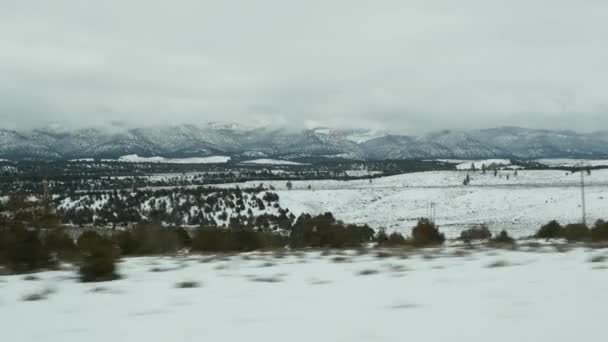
(478, 164)
(564, 162)
(520, 204)
(134, 158)
(271, 162)
(440, 295)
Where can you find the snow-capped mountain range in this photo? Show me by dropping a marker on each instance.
(183, 141)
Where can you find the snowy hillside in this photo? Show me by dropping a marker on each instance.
(462, 145)
(520, 203)
(15, 145)
(187, 207)
(529, 144)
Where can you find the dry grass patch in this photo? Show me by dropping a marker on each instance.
(275, 279)
(188, 284)
(598, 258)
(498, 264)
(37, 296)
(367, 272)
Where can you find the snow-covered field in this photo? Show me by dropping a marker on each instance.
(134, 158)
(481, 295)
(562, 162)
(520, 204)
(271, 162)
(478, 164)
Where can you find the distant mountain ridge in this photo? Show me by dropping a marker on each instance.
(183, 141)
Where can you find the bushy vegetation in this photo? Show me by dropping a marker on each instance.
(212, 239)
(476, 233)
(503, 238)
(551, 230)
(151, 238)
(99, 257)
(576, 232)
(22, 250)
(600, 231)
(425, 233)
(393, 240)
(60, 244)
(325, 232)
(99, 264)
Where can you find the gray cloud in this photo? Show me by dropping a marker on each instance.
(405, 65)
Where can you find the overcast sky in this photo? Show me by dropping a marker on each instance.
(403, 65)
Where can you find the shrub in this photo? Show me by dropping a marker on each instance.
(425, 233)
(22, 250)
(503, 238)
(98, 264)
(600, 231)
(576, 232)
(59, 242)
(476, 233)
(99, 257)
(127, 243)
(551, 230)
(270, 197)
(89, 240)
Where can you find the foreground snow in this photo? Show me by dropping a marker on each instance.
(481, 295)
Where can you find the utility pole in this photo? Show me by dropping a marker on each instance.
(583, 196)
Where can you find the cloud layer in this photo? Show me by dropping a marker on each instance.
(406, 65)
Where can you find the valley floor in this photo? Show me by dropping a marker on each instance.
(451, 293)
